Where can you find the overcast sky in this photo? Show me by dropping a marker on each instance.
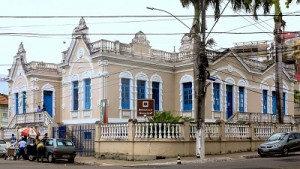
(48, 47)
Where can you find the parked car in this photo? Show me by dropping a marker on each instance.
(57, 148)
(280, 143)
(2, 148)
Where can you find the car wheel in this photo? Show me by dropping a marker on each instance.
(71, 160)
(262, 155)
(31, 157)
(285, 152)
(51, 159)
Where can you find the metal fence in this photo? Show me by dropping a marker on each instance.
(82, 135)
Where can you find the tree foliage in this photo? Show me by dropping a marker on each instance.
(167, 116)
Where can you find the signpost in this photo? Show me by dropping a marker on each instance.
(103, 111)
(145, 107)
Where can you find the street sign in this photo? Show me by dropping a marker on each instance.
(145, 107)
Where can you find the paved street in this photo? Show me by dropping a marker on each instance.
(290, 162)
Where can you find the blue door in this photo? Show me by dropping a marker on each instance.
(229, 100)
(48, 102)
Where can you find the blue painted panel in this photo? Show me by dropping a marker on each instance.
(229, 100)
(48, 102)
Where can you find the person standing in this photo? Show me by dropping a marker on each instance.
(40, 151)
(22, 146)
(13, 139)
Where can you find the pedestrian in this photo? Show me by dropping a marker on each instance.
(22, 146)
(13, 139)
(46, 135)
(40, 151)
(44, 108)
(39, 109)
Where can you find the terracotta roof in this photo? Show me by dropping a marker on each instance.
(3, 99)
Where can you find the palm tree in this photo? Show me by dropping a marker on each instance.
(200, 58)
(201, 62)
(278, 29)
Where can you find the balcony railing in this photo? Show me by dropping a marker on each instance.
(31, 119)
(258, 117)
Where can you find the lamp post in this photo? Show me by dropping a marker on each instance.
(200, 76)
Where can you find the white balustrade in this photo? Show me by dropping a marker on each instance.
(114, 131)
(212, 130)
(263, 131)
(236, 131)
(158, 130)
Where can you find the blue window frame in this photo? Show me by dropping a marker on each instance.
(17, 103)
(141, 89)
(216, 96)
(284, 102)
(273, 102)
(125, 93)
(24, 102)
(75, 95)
(187, 96)
(155, 94)
(241, 99)
(265, 101)
(87, 94)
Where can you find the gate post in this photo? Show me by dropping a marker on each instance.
(97, 138)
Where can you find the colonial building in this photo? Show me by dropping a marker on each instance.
(121, 73)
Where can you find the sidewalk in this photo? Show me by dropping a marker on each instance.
(169, 161)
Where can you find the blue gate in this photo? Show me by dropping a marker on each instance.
(83, 136)
(59, 132)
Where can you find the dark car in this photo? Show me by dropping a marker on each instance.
(57, 148)
(280, 143)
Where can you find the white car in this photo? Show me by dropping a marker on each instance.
(2, 148)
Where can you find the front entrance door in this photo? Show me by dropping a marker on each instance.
(48, 102)
(229, 101)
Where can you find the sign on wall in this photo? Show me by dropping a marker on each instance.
(145, 107)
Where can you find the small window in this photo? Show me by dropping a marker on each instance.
(68, 143)
(87, 135)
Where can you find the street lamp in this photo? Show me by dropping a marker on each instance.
(200, 75)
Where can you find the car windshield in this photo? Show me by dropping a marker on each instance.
(64, 143)
(277, 136)
(2, 142)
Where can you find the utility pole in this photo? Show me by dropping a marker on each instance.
(278, 67)
(200, 74)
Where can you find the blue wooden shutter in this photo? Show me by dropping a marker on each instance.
(216, 91)
(75, 95)
(24, 101)
(155, 94)
(87, 94)
(141, 88)
(241, 99)
(17, 103)
(187, 96)
(273, 102)
(125, 93)
(265, 101)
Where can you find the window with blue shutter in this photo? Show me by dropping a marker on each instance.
(155, 94)
(87, 94)
(216, 96)
(17, 103)
(75, 95)
(187, 96)
(141, 88)
(24, 101)
(273, 102)
(125, 93)
(265, 101)
(241, 99)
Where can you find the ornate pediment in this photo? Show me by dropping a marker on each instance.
(140, 38)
